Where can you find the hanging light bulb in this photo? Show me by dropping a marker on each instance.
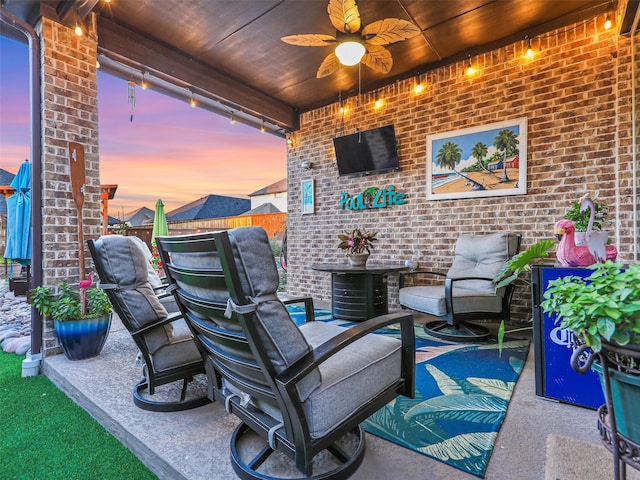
(379, 103)
(97, 63)
(232, 120)
(192, 101)
(262, 129)
(350, 52)
(78, 30)
(607, 22)
(143, 83)
(529, 55)
(471, 71)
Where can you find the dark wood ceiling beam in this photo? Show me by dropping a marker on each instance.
(123, 43)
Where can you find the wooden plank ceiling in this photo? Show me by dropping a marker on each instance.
(229, 52)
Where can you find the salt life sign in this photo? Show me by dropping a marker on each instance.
(372, 197)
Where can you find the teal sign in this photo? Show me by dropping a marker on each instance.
(372, 197)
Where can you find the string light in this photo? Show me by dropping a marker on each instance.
(379, 103)
(232, 120)
(262, 129)
(78, 30)
(143, 83)
(529, 55)
(418, 88)
(471, 71)
(192, 101)
(607, 22)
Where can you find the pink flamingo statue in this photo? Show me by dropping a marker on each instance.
(569, 254)
(599, 249)
(83, 286)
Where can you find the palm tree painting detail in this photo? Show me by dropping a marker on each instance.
(467, 163)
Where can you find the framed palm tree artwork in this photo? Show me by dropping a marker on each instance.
(485, 161)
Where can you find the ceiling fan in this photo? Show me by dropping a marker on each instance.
(352, 44)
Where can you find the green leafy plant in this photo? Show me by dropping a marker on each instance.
(511, 271)
(68, 304)
(581, 220)
(357, 241)
(604, 305)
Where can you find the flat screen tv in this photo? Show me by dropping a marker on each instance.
(367, 152)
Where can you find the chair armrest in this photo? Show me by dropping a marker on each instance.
(172, 317)
(309, 312)
(302, 367)
(416, 273)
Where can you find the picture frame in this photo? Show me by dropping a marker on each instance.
(484, 161)
(307, 190)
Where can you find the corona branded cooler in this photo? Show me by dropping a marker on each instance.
(555, 379)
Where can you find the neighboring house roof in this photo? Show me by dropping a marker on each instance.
(5, 179)
(141, 216)
(279, 187)
(264, 208)
(211, 206)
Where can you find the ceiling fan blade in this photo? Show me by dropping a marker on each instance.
(344, 15)
(378, 58)
(389, 30)
(329, 65)
(309, 40)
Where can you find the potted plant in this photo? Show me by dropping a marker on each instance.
(581, 217)
(81, 317)
(358, 245)
(512, 270)
(603, 311)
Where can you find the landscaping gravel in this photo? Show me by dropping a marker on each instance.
(15, 321)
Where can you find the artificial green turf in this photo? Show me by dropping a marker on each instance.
(44, 434)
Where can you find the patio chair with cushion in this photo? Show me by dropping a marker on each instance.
(165, 343)
(300, 390)
(466, 291)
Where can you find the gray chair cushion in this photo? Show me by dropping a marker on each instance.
(351, 377)
(475, 256)
(481, 256)
(430, 299)
(126, 268)
(152, 275)
(278, 333)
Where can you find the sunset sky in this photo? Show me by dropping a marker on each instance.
(170, 151)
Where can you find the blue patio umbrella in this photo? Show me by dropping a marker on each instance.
(18, 248)
(160, 227)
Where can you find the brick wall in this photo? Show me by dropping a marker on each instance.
(576, 96)
(69, 114)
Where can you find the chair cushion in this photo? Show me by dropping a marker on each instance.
(430, 299)
(152, 275)
(481, 256)
(351, 377)
(125, 267)
(172, 355)
(278, 334)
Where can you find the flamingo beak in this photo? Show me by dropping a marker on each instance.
(559, 233)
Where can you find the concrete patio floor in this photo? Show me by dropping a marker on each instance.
(194, 444)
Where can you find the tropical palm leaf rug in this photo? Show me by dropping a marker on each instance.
(462, 395)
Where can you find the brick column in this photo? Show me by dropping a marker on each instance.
(69, 114)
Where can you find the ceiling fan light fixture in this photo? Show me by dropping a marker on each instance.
(350, 52)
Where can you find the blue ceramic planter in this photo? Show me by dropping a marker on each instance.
(81, 339)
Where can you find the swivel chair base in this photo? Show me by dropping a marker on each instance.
(147, 404)
(348, 461)
(463, 332)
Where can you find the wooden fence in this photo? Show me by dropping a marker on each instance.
(274, 224)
